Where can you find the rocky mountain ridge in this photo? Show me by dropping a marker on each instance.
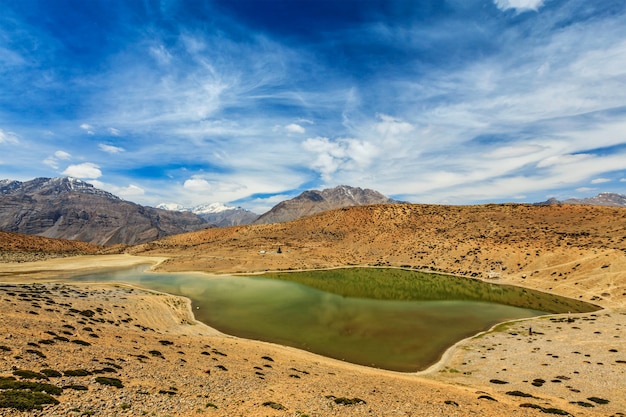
(602, 199)
(314, 201)
(68, 208)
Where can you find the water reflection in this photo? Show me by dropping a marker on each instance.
(402, 335)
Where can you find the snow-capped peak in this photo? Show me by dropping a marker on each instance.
(172, 207)
(211, 208)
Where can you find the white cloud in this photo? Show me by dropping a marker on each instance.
(85, 170)
(515, 151)
(600, 180)
(562, 160)
(53, 161)
(8, 137)
(160, 54)
(294, 128)
(113, 131)
(62, 155)
(390, 126)
(87, 128)
(585, 189)
(131, 190)
(341, 154)
(622, 180)
(197, 185)
(520, 5)
(110, 148)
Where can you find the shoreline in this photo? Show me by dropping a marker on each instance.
(436, 374)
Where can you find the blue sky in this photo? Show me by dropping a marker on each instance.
(251, 102)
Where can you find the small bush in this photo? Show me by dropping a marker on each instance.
(349, 401)
(36, 352)
(114, 382)
(76, 387)
(51, 373)
(26, 374)
(87, 313)
(77, 372)
(546, 410)
(598, 400)
(25, 400)
(81, 342)
(519, 394)
(12, 384)
(274, 405)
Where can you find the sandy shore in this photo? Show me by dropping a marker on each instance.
(170, 364)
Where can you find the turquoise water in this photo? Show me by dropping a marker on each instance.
(401, 335)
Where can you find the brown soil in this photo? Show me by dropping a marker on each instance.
(578, 251)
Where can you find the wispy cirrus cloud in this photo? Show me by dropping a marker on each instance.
(8, 137)
(461, 103)
(110, 148)
(520, 5)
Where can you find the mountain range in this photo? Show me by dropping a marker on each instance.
(69, 208)
(602, 199)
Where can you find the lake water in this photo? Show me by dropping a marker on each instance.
(355, 314)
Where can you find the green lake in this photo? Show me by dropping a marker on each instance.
(385, 318)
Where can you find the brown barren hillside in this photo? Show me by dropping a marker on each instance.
(574, 250)
(570, 364)
(17, 247)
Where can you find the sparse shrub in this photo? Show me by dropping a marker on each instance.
(349, 401)
(498, 381)
(36, 352)
(519, 394)
(25, 400)
(598, 400)
(274, 405)
(26, 374)
(61, 338)
(114, 382)
(51, 373)
(5, 348)
(76, 387)
(10, 383)
(77, 372)
(546, 410)
(81, 342)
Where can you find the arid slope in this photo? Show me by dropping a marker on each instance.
(579, 251)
